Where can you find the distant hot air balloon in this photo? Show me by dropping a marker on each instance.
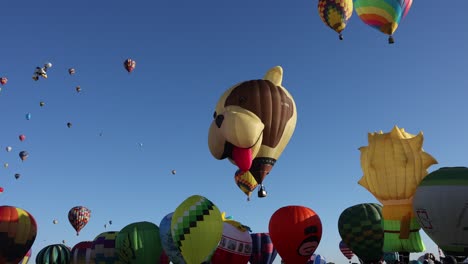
(79, 217)
(69, 125)
(129, 65)
(246, 182)
(296, 232)
(383, 15)
(252, 124)
(18, 231)
(55, 221)
(26, 257)
(5, 165)
(103, 248)
(28, 116)
(48, 65)
(235, 246)
(1, 190)
(55, 254)
(197, 228)
(41, 104)
(347, 252)
(335, 14)
(263, 250)
(78, 89)
(81, 253)
(22, 137)
(23, 155)
(173, 172)
(441, 206)
(393, 165)
(17, 175)
(3, 80)
(168, 245)
(138, 243)
(8, 149)
(71, 71)
(361, 228)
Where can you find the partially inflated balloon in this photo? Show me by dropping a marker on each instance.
(81, 253)
(383, 15)
(54, 254)
(441, 206)
(394, 164)
(296, 232)
(26, 257)
(197, 227)
(263, 250)
(335, 13)
(167, 242)
(361, 228)
(252, 124)
(103, 249)
(18, 231)
(79, 217)
(139, 243)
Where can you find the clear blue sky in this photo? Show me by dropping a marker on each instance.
(188, 53)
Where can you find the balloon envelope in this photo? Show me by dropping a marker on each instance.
(169, 247)
(235, 246)
(263, 250)
(79, 217)
(54, 254)
(139, 243)
(335, 13)
(103, 248)
(26, 257)
(81, 253)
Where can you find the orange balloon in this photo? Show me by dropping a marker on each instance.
(296, 232)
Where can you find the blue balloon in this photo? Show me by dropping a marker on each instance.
(172, 251)
(28, 116)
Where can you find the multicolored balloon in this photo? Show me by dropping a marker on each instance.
(335, 14)
(361, 228)
(26, 257)
(79, 217)
(168, 245)
(139, 243)
(197, 228)
(441, 206)
(56, 254)
(103, 248)
(129, 65)
(18, 230)
(346, 251)
(246, 182)
(252, 124)
(296, 232)
(23, 155)
(263, 250)
(81, 252)
(383, 15)
(3, 80)
(71, 71)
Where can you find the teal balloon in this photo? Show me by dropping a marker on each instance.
(54, 254)
(139, 243)
(391, 257)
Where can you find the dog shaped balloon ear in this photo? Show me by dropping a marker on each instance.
(274, 75)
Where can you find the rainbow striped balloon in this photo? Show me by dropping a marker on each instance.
(335, 13)
(383, 15)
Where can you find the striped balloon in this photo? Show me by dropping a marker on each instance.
(263, 251)
(81, 253)
(347, 252)
(26, 257)
(79, 217)
(335, 13)
(54, 254)
(18, 231)
(383, 15)
(103, 249)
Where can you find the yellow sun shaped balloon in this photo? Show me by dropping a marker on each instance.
(394, 164)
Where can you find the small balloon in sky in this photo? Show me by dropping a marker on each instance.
(5, 165)
(23, 155)
(55, 221)
(78, 89)
(22, 137)
(69, 125)
(28, 116)
(8, 149)
(173, 172)
(41, 103)
(17, 175)
(3, 80)
(71, 71)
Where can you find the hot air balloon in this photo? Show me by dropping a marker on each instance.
(296, 232)
(253, 122)
(40, 72)
(17, 175)
(55, 221)
(41, 104)
(246, 182)
(3, 80)
(78, 89)
(361, 228)
(335, 14)
(319, 259)
(103, 248)
(139, 243)
(69, 125)
(18, 231)
(263, 250)
(54, 254)
(235, 246)
(71, 71)
(79, 217)
(81, 253)
(1, 190)
(26, 257)
(383, 15)
(394, 164)
(129, 65)
(22, 137)
(197, 228)
(5, 165)
(347, 252)
(28, 116)
(168, 245)
(48, 65)
(8, 149)
(391, 257)
(173, 172)
(23, 155)
(164, 259)
(441, 206)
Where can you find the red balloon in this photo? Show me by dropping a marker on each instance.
(235, 246)
(296, 232)
(164, 259)
(22, 137)
(3, 80)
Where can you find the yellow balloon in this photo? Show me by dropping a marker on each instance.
(197, 228)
